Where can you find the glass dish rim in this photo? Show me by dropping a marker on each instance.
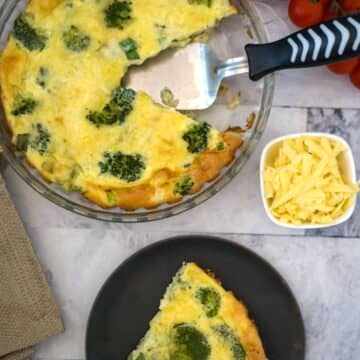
(159, 213)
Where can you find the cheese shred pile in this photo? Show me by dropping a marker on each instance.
(304, 183)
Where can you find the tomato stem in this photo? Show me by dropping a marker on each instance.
(338, 7)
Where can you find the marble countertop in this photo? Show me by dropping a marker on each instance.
(322, 267)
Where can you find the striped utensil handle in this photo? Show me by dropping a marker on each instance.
(326, 43)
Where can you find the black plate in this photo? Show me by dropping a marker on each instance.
(130, 297)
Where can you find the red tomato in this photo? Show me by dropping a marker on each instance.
(304, 13)
(329, 15)
(350, 5)
(344, 67)
(355, 76)
(326, 3)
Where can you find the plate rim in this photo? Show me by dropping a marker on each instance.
(180, 238)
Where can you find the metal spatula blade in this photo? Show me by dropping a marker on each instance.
(194, 73)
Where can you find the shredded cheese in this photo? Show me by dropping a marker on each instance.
(304, 183)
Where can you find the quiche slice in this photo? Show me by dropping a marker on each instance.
(199, 320)
(60, 81)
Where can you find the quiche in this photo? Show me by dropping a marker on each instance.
(60, 80)
(199, 320)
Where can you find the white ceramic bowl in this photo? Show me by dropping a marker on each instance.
(347, 165)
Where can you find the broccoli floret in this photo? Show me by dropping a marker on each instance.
(210, 299)
(23, 105)
(189, 343)
(197, 137)
(207, 3)
(117, 14)
(123, 166)
(75, 40)
(116, 111)
(41, 78)
(228, 334)
(40, 139)
(29, 37)
(183, 186)
(130, 47)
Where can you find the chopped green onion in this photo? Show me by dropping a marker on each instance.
(220, 146)
(112, 197)
(207, 3)
(42, 76)
(168, 99)
(75, 172)
(48, 166)
(130, 47)
(22, 141)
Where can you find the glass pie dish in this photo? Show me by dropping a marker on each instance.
(251, 114)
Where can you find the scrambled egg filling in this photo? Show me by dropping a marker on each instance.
(199, 320)
(60, 77)
(305, 182)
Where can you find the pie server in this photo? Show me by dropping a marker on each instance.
(193, 74)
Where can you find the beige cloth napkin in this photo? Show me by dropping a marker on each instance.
(28, 311)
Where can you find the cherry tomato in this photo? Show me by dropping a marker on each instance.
(355, 76)
(344, 67)
(304, 13)
(326, 3)
(350, 5)
(329, 15)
